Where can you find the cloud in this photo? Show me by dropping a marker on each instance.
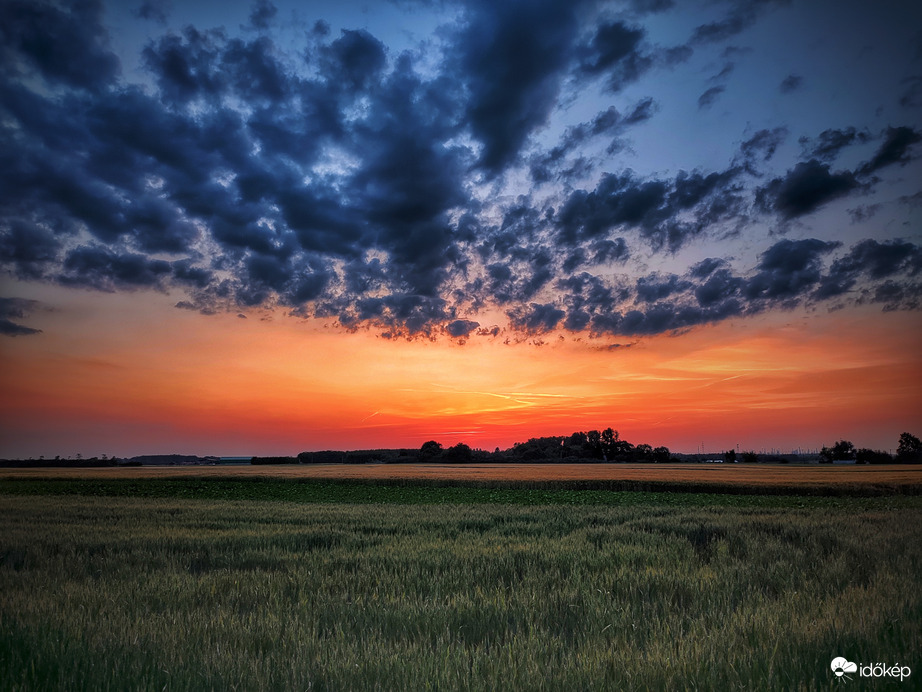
(742, 15)
(610, 123)
(787, 269)
(388, 190)
(536, 318)
(65, 45)
(665, 213)
(615, 52)
(827, 146)
(791, 83)
(894, 149)
(154, 10)
(262, 14)
(103, 269)
(511, 56)
(461, 328)
(805, 188)
(761, 147)
(707, 99)
(18, 308)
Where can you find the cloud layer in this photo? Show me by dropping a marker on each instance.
(353, 183)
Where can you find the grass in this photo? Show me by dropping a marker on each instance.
(116, 590)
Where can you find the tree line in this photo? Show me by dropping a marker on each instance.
(908, 451)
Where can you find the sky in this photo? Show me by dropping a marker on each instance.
(268, 227)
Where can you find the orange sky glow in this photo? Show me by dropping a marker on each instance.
(116, 379)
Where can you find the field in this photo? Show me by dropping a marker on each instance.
(115, 583)
(755, 478)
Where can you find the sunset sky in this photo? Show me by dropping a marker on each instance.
(242, 228)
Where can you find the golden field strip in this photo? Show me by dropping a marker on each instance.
(900, 478)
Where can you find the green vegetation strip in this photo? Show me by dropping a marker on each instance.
(364, 492)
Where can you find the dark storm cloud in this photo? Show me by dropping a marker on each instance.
(16, 308)
(810, 184)
(66, 45)
(28, 248)
(511, 58)
(665, 213)
(348, 182)
(187, 66)
(355, 60)
(790, 273)
(103, 269)
(788, 269)
(805, 188)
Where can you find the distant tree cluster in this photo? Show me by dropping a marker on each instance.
(909, 451)
(594, 445)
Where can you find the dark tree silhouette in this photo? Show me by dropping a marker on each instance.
(909, 450)
(430, 450)
(458, 454)
(843, 450)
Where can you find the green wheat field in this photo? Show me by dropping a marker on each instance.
(450, 589)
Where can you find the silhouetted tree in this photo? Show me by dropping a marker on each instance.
(643, 452)
(730, 456)
(430, 450)
(749, 457)
(661, 455)
(594, 444)
(458, 454)
(870, 456)
(909, 450)
(843, 450)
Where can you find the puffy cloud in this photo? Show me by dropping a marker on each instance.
(788, 269)
(665, 213)
(536, 318)
(511, 58)
(106, 270)
(66, 45)
(373, 188)
(461, 328)
(805, 188)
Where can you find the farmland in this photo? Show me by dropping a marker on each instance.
(736, 478)
(108, 582)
